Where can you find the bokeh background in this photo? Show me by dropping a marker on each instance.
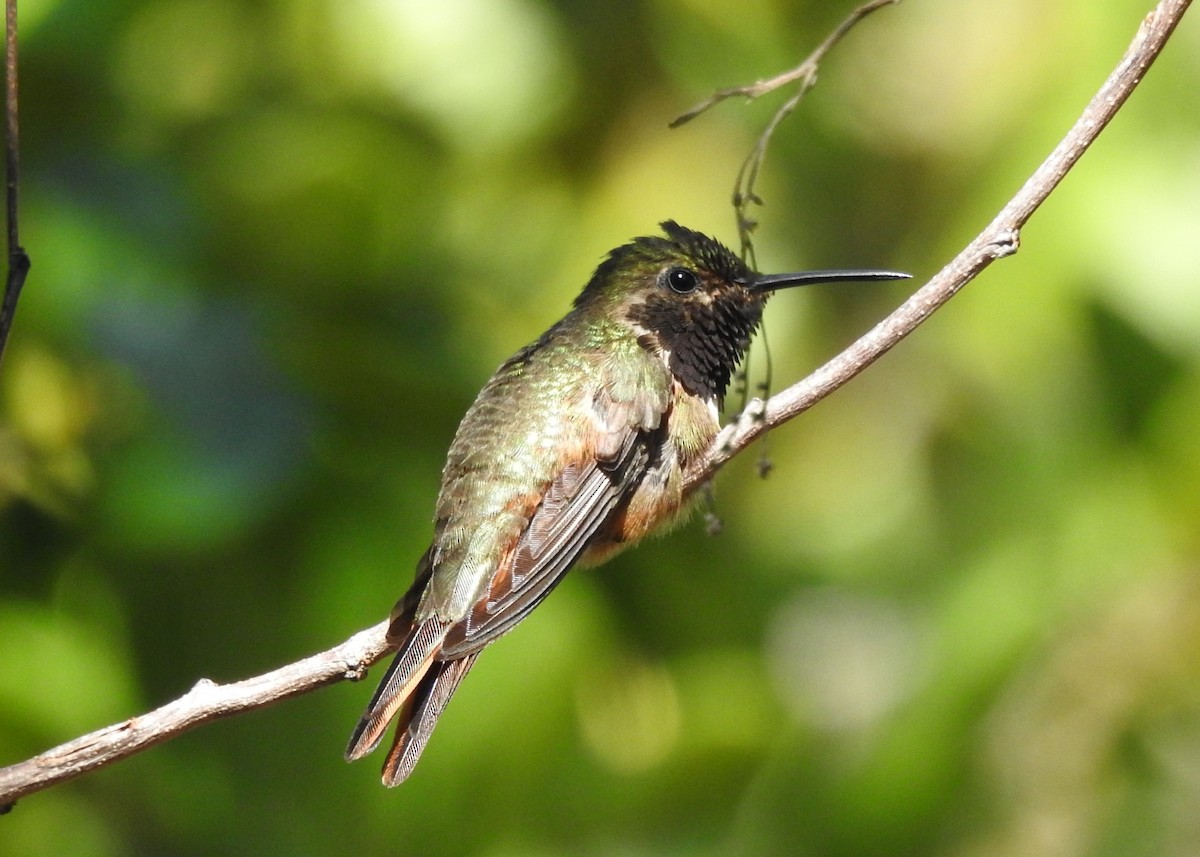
(279, 245)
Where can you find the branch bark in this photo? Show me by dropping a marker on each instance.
(208, 701)
(205, 702)
(18, 259)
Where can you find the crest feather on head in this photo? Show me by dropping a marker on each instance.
(704, 252)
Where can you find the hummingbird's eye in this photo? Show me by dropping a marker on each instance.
(681, 280)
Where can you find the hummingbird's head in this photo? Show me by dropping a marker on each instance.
(691, 301)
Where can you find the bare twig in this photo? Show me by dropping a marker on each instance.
(744, 194)
(18, 260)
(208, 701)
(806, 71)
(205, 702)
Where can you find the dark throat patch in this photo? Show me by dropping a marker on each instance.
(705, 341)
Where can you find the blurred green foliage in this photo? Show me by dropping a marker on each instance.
(279, 244)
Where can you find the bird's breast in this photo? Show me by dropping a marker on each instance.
(658, 502)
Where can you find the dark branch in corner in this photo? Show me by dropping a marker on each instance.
(208, 701)
(18, 259)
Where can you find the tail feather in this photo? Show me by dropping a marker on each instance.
(425, 707)
(401, 679)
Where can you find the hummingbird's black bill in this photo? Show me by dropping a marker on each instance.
(772, 282)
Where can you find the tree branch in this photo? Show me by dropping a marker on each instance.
(205, 702)
(208, 701)
(18, 259)
(1001, 238)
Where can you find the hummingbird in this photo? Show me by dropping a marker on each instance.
(573, 450)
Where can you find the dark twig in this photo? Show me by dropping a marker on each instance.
(744, 194)
(209, 701)
(18, 259)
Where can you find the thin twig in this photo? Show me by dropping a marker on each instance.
(805, 71)
(18, 259)
(208, 701)
(744, 193)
